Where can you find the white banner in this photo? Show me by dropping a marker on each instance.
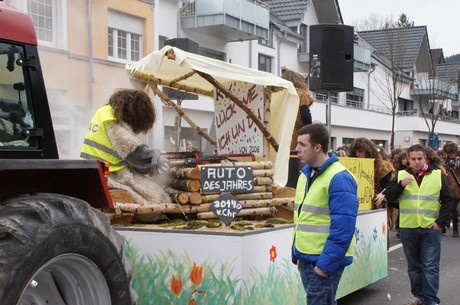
(236, 132)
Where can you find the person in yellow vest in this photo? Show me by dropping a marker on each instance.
(424, 211)
(325, 212)
(112, 137)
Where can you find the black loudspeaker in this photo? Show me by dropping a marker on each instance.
(331, 57)
(184, 44)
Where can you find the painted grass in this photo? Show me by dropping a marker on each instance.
(153, 275)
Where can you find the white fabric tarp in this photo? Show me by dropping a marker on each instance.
(284, 103)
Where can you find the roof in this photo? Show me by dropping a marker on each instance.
(292, 12)
(288, 10)
(408, 42)
(448, 71)
(437, 56)
(180, 69)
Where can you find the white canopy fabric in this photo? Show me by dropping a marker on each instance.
(284, 103)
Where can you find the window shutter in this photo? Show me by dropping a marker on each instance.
(125, 22)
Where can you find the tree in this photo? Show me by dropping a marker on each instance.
(403, 21)
(434, 91)
(394, 79)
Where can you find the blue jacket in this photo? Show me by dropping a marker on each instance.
(343, 206)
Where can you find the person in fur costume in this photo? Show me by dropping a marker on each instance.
(306, 99)
(112, 137)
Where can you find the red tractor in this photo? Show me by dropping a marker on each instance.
(56, 246)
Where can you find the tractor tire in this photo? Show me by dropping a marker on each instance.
(58, 250)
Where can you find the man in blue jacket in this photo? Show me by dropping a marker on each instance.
(325, 211)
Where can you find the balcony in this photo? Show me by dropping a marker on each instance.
(362, 58)
(434, 88)
(231, 20)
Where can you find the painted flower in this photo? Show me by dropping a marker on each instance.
(176, 285)
(384, 226)
(196, 276)
(191, 302)
(198, 291)
(272, 254)
(374, 236)
(356, 235)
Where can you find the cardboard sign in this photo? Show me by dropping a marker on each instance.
(226, 207)
(363, 170)
(236, 132)
(226, 179)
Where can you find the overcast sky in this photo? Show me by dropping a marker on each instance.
(441, 17)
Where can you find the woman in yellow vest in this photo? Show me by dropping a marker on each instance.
(112, 137)
(325, 212)
(424, 211)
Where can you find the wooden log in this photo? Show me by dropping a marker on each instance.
(263, 181)
(119, 195)
(244, 196)
(262, 172)
(195, 198)
(282, 201)
(190, 185)
(177, 163)
(266, 211)
(253, 164)
(185, 172)
(163, 208)
(247, 204)
(177, 196)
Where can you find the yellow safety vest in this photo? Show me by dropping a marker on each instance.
(312, 223)
(419, 205)
(97, 145)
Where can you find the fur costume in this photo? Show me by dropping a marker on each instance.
(306, 99)
(135, 178)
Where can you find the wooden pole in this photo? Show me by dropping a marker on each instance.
(245, 108)
(181, 112)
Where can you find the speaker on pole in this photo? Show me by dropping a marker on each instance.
(331, 57)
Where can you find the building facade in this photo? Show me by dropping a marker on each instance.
(85, 45)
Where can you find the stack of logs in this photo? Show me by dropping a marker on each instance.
(184, 191)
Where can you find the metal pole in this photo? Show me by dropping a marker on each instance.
(328, 116)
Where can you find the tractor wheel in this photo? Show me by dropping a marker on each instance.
(56, 249)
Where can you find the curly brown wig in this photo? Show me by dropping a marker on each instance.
(450, 147)
(135, 108)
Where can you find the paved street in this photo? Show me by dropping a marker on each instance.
(397, 283)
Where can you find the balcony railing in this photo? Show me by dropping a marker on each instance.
(232, 20)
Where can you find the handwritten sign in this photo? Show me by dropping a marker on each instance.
(236, 132)
(363, 170)
(230, 179)
(226, 207)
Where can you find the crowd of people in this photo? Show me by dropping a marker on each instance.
(420, 187)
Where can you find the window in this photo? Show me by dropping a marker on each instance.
(48, 16)
(213, 53)
(124, 37)
(355, 99)
(265, 63)
(303, 48)
(269, 41)
(15, 108)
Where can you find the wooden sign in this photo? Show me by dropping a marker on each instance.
(236, 132)
(226, 179)
(226, 207)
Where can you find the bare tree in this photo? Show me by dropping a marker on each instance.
(394, 79)
(434, 91)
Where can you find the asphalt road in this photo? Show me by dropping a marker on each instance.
(395, 289)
